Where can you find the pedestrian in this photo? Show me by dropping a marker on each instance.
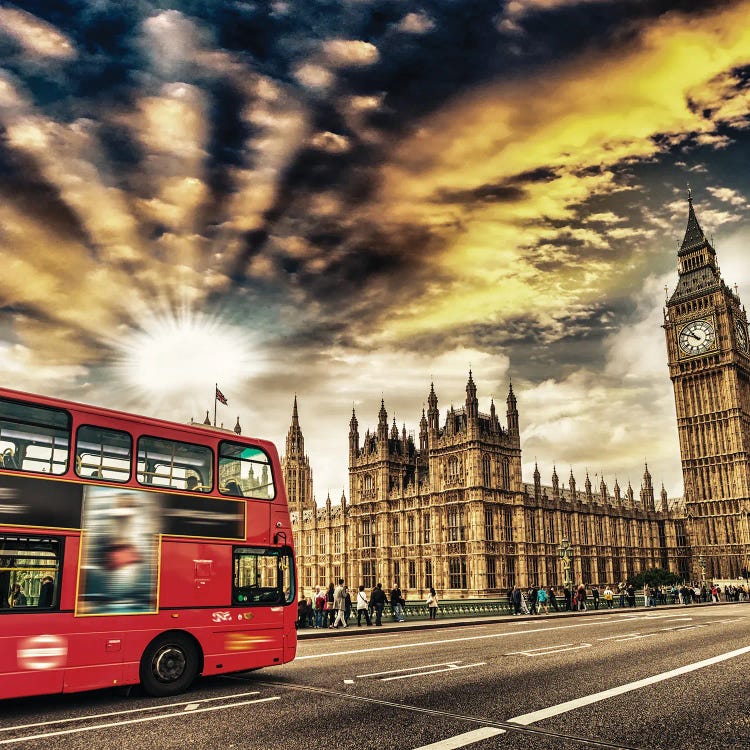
(568, 599)
(631, 595)
(302, 613)
(347, 605)
(621, 587)
(378, 599)
(609, 596)
(339, 604)
(320, 606)
(330, 609)
(581, 598)
(646, 595)
(363, 607)
(553, 599)
(532, 595)
(397, 603)
(542, 601)
(515, 598)
(432, 604)
(595, 595)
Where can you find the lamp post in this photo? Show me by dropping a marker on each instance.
(566, 553)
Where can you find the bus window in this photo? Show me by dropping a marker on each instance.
(169, 463)
(262, 576)
(33, 438)
(103, 454)
(245, 470)
(29, 573)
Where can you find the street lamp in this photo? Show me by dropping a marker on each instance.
(566, 553)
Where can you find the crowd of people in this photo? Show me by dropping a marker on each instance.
(333, 607)
(578, 599)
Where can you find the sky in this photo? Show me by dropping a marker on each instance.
(348, 200)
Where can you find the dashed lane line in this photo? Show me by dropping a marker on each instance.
(432, 671)
(142, 719)
(586, 700)
(546, 650)
(408, 669)
(461, 740)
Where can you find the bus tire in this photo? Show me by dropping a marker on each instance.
(169, 665)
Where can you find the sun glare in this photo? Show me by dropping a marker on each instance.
(185, 352)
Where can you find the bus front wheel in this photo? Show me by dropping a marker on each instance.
(169, 665)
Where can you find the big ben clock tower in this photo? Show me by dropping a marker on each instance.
(709, 364)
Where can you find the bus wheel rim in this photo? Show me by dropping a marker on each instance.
(169, 664)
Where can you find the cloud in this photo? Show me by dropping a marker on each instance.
(727, 195)
(39, 39)
(333, 143)
(415, 23)
(342, 53)
(595, 113)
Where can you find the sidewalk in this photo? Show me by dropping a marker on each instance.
(389, 626)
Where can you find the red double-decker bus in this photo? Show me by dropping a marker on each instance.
(134, 550)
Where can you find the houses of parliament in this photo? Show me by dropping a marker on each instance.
(453, 512)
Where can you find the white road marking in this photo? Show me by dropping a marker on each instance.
(348, 682)
(587, 700)
(93, 717)
(111, 724)
(432, 671)
(550, 649)
(616, 637)
(461, 740)
(410, 669)
(191, 706)
(634, 637)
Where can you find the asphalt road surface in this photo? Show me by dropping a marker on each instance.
(660, 678)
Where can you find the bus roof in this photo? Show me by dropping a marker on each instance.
(192, 427)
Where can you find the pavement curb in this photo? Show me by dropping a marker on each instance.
(395, 627)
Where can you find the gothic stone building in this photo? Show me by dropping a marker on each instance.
(453, 512)
(709, 364)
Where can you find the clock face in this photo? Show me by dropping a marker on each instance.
(697, 337)
(741, 335)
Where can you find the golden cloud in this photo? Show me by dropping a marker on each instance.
(598, 111)
(38, 38)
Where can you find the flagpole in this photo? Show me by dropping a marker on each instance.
(216, 390)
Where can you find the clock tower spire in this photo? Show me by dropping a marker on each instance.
(709, 365)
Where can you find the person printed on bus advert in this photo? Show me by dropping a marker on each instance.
(17, 598)
(46, 592)
(121, 551)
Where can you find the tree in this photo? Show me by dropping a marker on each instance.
(654, 577)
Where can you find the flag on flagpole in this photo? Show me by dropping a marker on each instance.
(221, 397)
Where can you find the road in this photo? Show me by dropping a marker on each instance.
(665, 678)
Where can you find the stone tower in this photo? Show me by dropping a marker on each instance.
(295, 466)
(707, 352)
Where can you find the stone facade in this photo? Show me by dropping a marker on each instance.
(453, 512)
(709, 364)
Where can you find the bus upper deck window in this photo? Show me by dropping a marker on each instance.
(103, 454)
(34, 438)
(245, 470)
(170, 463)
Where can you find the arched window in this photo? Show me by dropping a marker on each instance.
(487, 471)
(453, 469)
